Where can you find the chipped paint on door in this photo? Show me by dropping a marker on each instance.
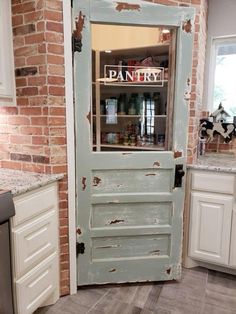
(129, 212)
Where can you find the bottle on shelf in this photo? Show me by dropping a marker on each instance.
(157, 103)
(132, 105)
(122, 104)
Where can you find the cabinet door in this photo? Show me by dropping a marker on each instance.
(233, 240)
(210, 227)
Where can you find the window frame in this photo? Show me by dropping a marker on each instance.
(215, 42)
(7, 77)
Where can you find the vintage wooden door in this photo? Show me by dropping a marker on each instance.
(129, 202)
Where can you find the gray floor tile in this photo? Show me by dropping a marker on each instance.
(198, 292)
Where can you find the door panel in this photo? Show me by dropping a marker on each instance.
(122, 181)
(210, 227)
(143, 214)
(129, 212)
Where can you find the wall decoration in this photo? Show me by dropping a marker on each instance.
(216, 124)
(209, 129)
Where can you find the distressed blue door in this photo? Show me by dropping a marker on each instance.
(129, 198)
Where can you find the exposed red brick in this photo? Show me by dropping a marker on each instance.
(18, 120)
(17, 20)
(29, 111)
(41, 159)
(54, 5)
(57, 91)
(20, 157)
(36, 60)
(31, 130)
(56, 49)
(52, 59)
(37, 81)
(39, 120)
(34, 39)
(56, 69)
(20, 139)
(40, 140)
(54, 27)
(56, 80)
(21, 82)
(53, 16)
(27, 91)
(33, 16)
(24, 29)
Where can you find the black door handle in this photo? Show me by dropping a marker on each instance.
(179, 174)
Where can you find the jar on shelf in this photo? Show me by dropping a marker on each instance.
(133, 140)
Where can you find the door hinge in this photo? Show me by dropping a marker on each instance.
(179, 174)
(80, 248)
(76, 44)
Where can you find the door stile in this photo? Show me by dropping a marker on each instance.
(82, 91)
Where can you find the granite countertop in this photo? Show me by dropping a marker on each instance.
(216, 162)
(19, 182)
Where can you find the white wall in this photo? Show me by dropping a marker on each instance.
(221, 22)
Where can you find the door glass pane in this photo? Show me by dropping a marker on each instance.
(131, 88)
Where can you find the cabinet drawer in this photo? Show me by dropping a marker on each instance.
(213, 182)
(34, 203)
(34, 241)
(37, 286)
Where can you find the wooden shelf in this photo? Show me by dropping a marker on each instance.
(151, 147)
(132, 116)
(131, 84)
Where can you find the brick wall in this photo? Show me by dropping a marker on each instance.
(33, 134)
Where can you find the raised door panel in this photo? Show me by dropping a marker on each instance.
(233, 240)
(210, 227)
(34, 242)
(34, 203)
(37, 286)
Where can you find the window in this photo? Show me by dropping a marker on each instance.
(223, 75)
(7, 81)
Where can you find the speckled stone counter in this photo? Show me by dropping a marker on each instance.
(19, 182)
(216, 162)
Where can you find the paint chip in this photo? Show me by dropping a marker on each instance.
(122, 6)
(187, 26)
(96, 181)
(157, 164)
(84, 183)
(116, 221)
(178, 154)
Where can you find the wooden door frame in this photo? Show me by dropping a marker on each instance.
(70, 122)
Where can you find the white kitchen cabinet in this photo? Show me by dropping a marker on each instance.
(210, 227)
(210, 220)
(35, 248)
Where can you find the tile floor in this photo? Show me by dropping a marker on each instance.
(200, 291)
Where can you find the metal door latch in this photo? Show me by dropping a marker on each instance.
(80, 248)
(179, 174)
